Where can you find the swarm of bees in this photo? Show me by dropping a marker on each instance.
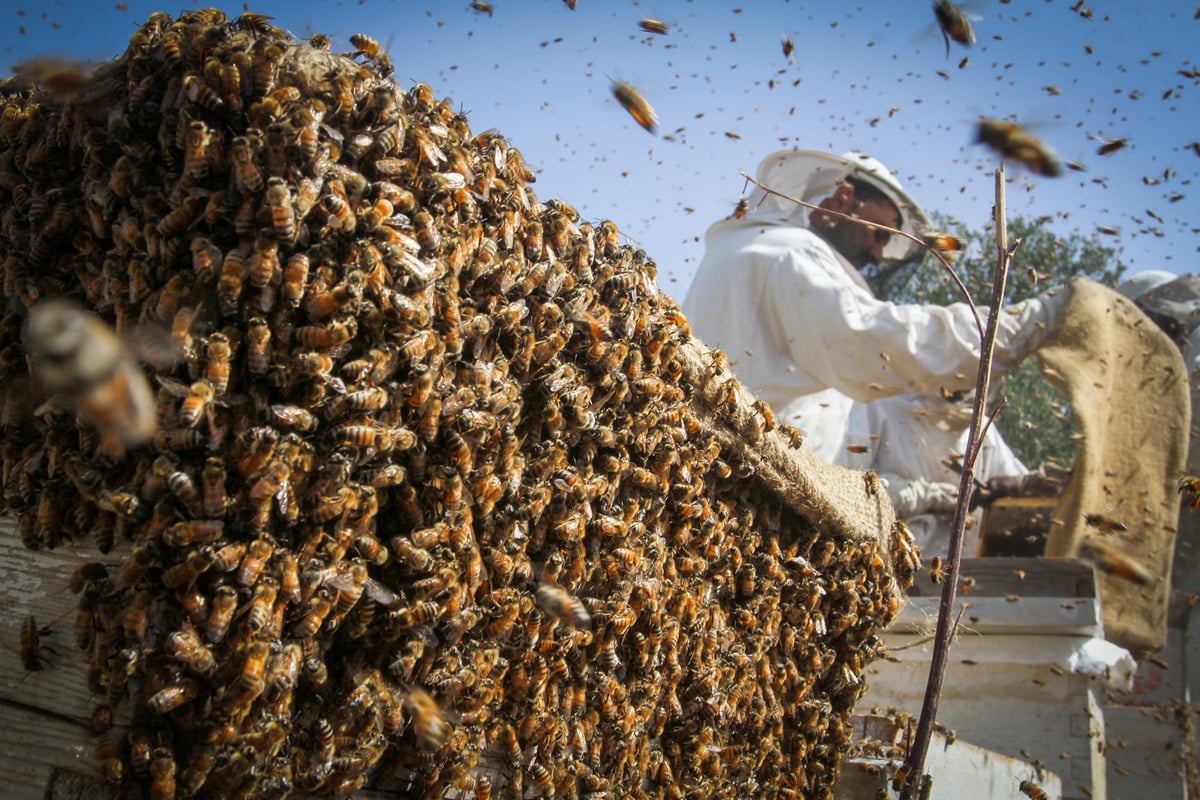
(425, 501)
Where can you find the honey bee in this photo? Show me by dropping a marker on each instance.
(1110, 146)
(257, 555)
(85, 366)
(336, 333)
(1189, 484)
(234, 270)
(172, 697)
(1105, 524)
(315, 612)
(223, 605)
(295, 278)
(1032, 790)
(246, 175)
(1011, 140)
(278, 199)
(950, 246)
(561, 605)
(31, 647)
(953, 22)
(205, 257)
(108, 756)
(937, 570)
(216, 371)
(428, 724)
(195, 161)
(637, 107)
(186, 647)
(186, 571)
(1111, 560)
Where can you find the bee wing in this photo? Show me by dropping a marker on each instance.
(175, 388)
(380, 593)
(152, 344)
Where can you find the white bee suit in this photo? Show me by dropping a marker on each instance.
(804, 332)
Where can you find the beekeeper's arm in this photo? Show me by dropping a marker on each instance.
(869, 348)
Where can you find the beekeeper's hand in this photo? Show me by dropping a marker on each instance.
(919, 496)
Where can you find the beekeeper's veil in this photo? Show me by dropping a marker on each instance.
(812, 176)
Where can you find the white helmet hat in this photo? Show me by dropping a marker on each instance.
(811, 176)
(1139, 283)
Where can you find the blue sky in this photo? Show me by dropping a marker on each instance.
(871, 76)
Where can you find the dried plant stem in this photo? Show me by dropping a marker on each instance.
(914, 764)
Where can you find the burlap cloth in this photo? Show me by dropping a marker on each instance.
(1127, 385)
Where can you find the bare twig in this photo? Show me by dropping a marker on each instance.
(914, 764)
(962, 287)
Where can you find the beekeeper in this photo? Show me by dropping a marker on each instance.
(787, 295)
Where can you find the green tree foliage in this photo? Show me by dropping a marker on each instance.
(1036, 421)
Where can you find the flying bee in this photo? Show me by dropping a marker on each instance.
(561, 605)
(1011, 140)
(937, 570)
(1110, 146)
(1105, 524)
(633, 102)
(950, 246)
(953, 22)
(428, 723)
(1111, 560)
(81, 362)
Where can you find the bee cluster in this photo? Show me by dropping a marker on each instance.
(427, 501)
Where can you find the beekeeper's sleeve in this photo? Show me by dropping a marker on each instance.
(869, 348)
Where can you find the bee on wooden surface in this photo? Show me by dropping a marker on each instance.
(108, 757)
(954, 24)
(1113, 561)
(84, 365)
(1032, 790)
(633, 103)
(31, 650)
(1012, 141)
